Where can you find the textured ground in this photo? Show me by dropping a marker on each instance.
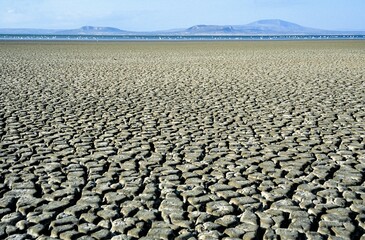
(182, 140)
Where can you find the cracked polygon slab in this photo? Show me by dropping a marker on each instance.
(219, 208)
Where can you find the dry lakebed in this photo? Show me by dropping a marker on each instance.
(182, 140)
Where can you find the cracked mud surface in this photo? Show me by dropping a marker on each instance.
(239, 140)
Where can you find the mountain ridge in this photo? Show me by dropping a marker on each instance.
(93, 30)
(260, 27)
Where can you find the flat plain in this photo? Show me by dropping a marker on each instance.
(182, 140)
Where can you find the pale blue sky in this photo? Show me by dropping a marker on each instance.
(146, 15)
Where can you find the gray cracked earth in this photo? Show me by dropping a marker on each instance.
(235, 140)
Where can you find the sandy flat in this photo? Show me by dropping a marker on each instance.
(194, 140)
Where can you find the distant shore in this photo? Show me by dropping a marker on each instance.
(94, 38)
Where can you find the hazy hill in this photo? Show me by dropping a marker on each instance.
(271, 26)
(91, 30)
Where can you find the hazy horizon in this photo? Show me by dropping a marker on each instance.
(144, 15)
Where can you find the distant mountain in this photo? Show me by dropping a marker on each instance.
(277, 26)
(262, 27)
(90, 30)
(85, 30)
(27, 31)
(210, 29)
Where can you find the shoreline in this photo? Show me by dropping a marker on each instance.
(111, 38)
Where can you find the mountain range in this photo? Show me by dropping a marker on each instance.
(261, 27)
